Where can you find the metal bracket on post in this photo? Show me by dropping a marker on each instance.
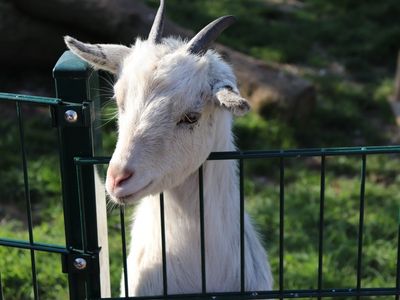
(72, 115)
(80, 262)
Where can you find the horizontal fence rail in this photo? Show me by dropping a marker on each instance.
(334, 293)
(273, 154)
(29, 99)
(33, 246)
(282, 292)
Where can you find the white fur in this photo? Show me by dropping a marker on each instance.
(156, 87)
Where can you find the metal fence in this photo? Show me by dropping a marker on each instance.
(85, 255)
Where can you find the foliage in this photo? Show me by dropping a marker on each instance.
(296, 33)
(349, 49)
(254, 132)
(41, 153)
(15, 264)
(347, 113)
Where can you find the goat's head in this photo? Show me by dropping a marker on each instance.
(173, 97)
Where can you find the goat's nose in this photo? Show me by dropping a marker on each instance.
(121, 178)
(118, 177)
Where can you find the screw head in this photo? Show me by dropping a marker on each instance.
(80, 263)
(71, 116)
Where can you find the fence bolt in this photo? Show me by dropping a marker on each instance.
(80, 263)
(71, 116)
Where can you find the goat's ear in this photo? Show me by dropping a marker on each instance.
(229, 97)
(100, 56)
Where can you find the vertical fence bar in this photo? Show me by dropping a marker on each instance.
(1, 289)
(321, 225)
(361, 222)
(163, 249)
(281, 223)
(124, 256)
(202, 242)
(398, 258)
(242, 242)
(27, 198)
(397, 80)
(73, 78)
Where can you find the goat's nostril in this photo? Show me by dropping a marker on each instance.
(117, 176)
(120, 179)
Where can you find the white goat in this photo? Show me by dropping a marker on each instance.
(175, 102)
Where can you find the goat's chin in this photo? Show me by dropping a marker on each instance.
(133, 197)
(154, 187)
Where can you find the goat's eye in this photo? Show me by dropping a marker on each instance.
(189, 118)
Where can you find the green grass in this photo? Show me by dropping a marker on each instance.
(351, 109)
(15, 264)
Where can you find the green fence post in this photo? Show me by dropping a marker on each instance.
(73, 79)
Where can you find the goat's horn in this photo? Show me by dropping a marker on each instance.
(200, 43)
(158, 25)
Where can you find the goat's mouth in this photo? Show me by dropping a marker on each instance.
(126, 199)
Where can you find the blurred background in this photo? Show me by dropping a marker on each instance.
(318, 74)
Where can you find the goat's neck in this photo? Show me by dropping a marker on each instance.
(220, 184)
